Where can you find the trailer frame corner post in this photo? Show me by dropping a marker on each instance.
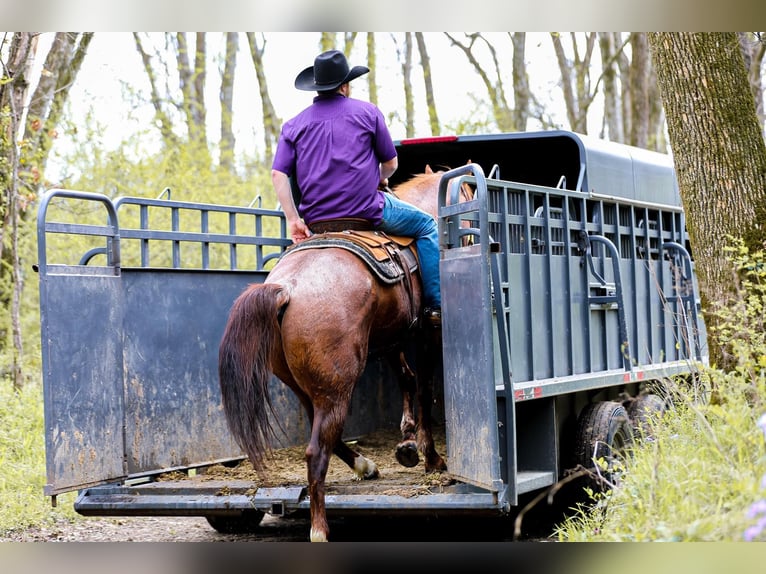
(470, 398)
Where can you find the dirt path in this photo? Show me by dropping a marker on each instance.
(155, 529)
(272, 529)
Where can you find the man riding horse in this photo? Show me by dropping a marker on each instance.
(340, 153)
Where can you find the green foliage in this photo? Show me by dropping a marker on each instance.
(138, 168)
(22, 459)
(185, 174)
(699, 476)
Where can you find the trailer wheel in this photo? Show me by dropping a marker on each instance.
(603, 432)
(243, 523)
(642, 411)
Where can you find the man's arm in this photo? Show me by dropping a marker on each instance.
(387, 169)
(295, 225)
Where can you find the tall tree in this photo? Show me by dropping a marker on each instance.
(639, 89)
(228, 141)
(718, 149)
(610, 48)
(14, 85)
(23, 159)
(522, 94)
(575, 78)
(158, 99)
(405, 57)
(753, 46)
(271, 122)
(372, 78)
(494, 85)
(327, 41)
(425, 63)
(192, 83)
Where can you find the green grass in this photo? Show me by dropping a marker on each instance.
(22, 461)
(693, 481)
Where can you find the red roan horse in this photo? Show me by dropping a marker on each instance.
(312, 324)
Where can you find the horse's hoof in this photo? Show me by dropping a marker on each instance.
(365, 469)
(438, 466)
(407, 453)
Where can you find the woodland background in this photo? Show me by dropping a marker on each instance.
(699, 96)
(180, 126)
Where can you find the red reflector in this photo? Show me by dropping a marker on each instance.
(434, 139)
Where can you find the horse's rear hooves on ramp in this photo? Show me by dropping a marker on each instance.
(407, 453)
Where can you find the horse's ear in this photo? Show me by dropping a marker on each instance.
(428, 169)
(469, 162)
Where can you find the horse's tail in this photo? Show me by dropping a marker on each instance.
(244, 367)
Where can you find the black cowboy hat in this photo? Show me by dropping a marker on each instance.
(329, 71)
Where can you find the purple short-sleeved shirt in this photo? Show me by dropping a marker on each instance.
(333, 149)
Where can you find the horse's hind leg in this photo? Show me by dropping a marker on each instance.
(325, 434)
(361, 465)
(429, 352)
(407, 450)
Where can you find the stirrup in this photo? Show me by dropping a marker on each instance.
(432, 316)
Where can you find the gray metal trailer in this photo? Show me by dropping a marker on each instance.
(575, 292)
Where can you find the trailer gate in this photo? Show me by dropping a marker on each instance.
(130, 345)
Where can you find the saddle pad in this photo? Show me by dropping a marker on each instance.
(385, 255)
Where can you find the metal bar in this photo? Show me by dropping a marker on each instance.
(144, 224)
(541, 388)
(175, 227)
(205, 245)
(625, 348)
(528, 283)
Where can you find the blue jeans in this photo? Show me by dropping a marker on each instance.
(402, 218)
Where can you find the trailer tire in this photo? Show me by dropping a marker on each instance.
(644, 411)
(244, 523)
(603, 432)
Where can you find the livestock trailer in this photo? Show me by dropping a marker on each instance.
(568, 293)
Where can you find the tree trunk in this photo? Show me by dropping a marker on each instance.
(166, 125)
(327, 41)
(348, 43)
(575, 79)
(753, 50)
(14, 85)
(372, 77)
(199, 110)
(718, 149)
(612, 106)
(409, 105)
(623, 66)
(192, 84)
(271, 123)
(639, 89)
(500, 108)
(425, 62)
(522, 95)
(226, 160)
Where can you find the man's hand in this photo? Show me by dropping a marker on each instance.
(299, 231)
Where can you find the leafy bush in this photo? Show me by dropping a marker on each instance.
(699, 476)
